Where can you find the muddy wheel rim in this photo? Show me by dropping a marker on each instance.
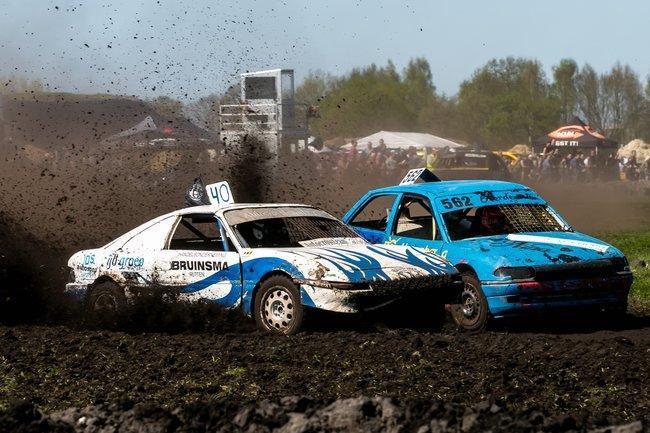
(105, 302)
(278, 309)
(470, 304)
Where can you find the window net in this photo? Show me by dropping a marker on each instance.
(530, 218)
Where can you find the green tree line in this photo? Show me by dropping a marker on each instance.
(507, 101)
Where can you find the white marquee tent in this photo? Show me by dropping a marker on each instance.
(404, 140)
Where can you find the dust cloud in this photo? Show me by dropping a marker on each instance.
(67, 184)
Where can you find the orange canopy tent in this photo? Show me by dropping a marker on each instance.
(576, 135)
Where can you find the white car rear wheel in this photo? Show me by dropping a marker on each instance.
(106, 298)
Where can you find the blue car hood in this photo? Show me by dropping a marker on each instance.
(532, 249)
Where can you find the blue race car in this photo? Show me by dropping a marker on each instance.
(515, 252)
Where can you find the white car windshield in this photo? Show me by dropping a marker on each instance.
(295, 231)
(501, 220)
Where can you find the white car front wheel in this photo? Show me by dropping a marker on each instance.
(277, 306)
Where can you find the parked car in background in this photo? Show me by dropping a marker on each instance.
(458, 164)
(510, 158)
(516, 254)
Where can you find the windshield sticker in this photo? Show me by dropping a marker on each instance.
(490, 196)
(558, 241)
(329, 242)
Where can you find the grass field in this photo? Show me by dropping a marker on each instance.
(636, 246)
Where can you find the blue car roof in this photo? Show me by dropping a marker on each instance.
(452, 187)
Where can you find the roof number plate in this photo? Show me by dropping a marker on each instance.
(424, 174)
(412, 176)
(219, 194)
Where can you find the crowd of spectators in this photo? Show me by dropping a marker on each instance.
(375, 160)
(552, 165)
(579, 166)
(371, 158)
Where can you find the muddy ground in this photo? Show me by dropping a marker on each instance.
(198, 372)
(589, 377)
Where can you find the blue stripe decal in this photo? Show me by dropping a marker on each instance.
(367, 267)
(253, 271)
(431, 265)
(232, 274)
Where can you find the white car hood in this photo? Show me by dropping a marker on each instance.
(355, 263)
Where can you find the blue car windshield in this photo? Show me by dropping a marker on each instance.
(501, 220)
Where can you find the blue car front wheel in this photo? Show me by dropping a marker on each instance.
(471, 313)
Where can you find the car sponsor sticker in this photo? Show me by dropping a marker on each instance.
(198, 265)
(332, 242)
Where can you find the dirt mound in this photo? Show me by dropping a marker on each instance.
(298, 414)
(59, 121)
(639, 147)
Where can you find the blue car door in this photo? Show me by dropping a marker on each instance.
(370, 218)
(414, 223)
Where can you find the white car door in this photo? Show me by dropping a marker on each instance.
(200, 261)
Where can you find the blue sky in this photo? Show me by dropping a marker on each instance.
(190, 48)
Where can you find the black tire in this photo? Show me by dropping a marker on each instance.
(277, 307)
(472, 313)
(106, 299)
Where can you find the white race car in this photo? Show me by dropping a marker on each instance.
(272, 260)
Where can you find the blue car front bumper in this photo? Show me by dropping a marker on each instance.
(515, 298)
